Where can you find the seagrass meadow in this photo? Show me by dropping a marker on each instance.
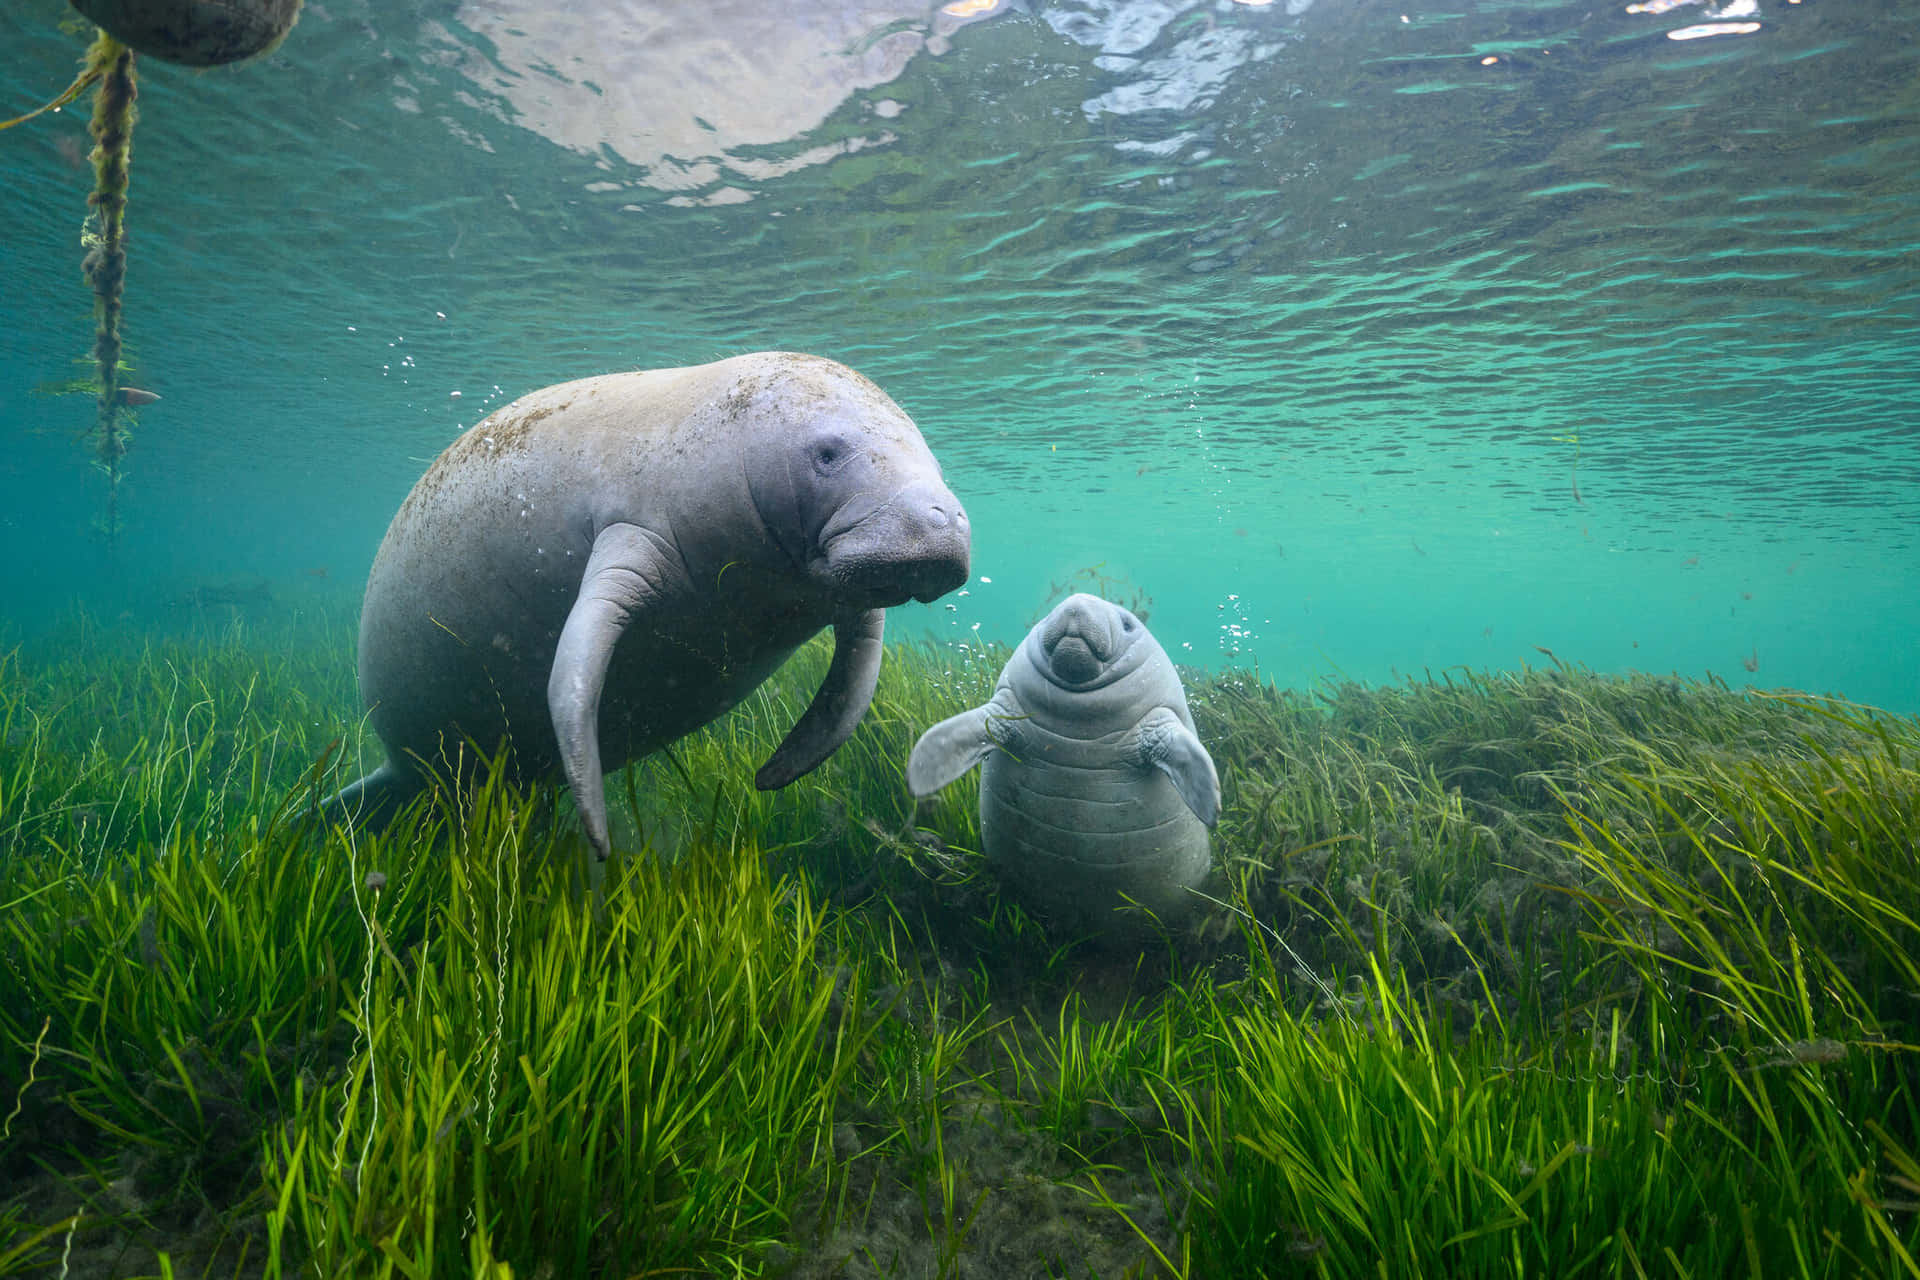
(1542, 973)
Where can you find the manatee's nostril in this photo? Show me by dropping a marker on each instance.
(939, 515)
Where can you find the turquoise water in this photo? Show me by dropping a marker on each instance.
(1341, 338)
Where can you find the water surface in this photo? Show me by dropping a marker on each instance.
(1339, 337)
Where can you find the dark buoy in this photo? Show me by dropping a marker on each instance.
(195, 33)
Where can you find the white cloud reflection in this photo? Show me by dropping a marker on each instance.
(693, 94)
(1174, 57)
(679, 90)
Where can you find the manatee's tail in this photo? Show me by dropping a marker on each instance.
(373, 801)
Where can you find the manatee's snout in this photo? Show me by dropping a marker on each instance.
(917, 545)
(1078, 638)
(947, 554)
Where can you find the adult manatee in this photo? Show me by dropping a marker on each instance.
(605, 565)
(1093, 785)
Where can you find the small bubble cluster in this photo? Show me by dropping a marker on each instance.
(1236, 627)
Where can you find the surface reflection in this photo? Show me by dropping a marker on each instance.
(683, 91)
(692, 95)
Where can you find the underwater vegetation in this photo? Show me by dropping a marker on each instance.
(1543, 973)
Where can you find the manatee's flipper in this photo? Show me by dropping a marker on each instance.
(1162, 742)
(837, 705)
(958, 743)
(373, 801)
(622, 576)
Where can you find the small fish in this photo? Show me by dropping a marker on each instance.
(1693, 560)
(1752, 661)
(1660, 6)
(134, 397)
(321, 572)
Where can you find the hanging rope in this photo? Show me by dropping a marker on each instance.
(105, 266)
(193, 32)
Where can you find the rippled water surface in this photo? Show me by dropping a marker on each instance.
(1340, 337)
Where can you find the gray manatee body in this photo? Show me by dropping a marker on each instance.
(1094, 788)
(605, 565)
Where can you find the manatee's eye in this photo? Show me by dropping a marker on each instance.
(830, 453)
(1126, 622)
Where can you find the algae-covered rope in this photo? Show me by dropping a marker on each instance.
(106, 260)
